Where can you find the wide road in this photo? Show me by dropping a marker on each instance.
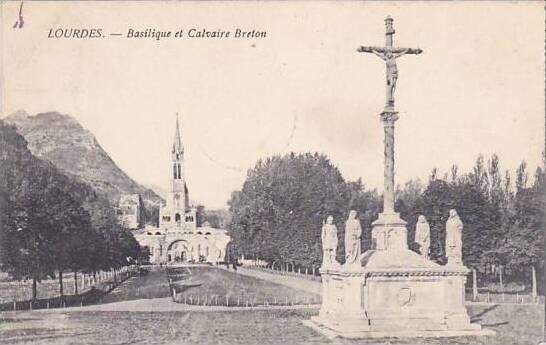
(152, 285)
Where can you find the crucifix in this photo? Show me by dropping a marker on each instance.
(389, 54)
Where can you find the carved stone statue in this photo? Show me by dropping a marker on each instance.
(389, 54)
(391, 71)
(454, 243)
(353, 231)
(329, 242)
(422, 236)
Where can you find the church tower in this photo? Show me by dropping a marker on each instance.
(177, 214)
(178, 180)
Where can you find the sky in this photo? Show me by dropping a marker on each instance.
(477, 88)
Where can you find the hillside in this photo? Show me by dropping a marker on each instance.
(61, 140)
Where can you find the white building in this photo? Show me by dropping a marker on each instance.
(178, 239)
(129, 211)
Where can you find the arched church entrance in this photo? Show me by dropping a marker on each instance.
(177, 251)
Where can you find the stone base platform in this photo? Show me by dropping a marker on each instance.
(323, 327)
(394, 293)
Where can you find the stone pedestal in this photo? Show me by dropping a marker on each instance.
(394, 292)
(389, 231)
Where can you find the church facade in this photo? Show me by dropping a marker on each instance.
(178, 237)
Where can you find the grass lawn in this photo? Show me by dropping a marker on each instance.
(514, 324)
(213, 286)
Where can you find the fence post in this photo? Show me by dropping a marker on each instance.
(500, 280)
(227, 301)
(474, 285)
(534, 276)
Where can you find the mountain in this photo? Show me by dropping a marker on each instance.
(161, 191)
(61, 140)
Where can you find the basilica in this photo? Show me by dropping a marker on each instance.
(178, 237)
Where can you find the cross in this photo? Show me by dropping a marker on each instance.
(389, 54)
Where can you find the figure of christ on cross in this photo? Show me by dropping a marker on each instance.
(389, 54)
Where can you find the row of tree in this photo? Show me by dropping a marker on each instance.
(504, 220)
(51, 222)
(278, 214)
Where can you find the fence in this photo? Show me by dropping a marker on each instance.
(99, 285)
(499, 298)
(306, 273)
(243, 301)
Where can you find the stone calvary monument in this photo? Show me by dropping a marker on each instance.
(389, 290)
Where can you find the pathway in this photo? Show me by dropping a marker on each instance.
(149, 286)
(295, 282)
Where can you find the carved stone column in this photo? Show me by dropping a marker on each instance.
(389, 230)
(388, 119)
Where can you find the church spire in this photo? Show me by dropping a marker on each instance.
(177, 143)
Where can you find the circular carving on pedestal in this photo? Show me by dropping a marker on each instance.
(404, 296)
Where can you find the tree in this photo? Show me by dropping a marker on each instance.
(151, 214)
(219, 219)
(50, 222)
(278, 214)
(200, 215)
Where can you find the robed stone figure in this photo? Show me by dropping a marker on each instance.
(353, 232)
(329, 243)
(422, 236)
(454, 243)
